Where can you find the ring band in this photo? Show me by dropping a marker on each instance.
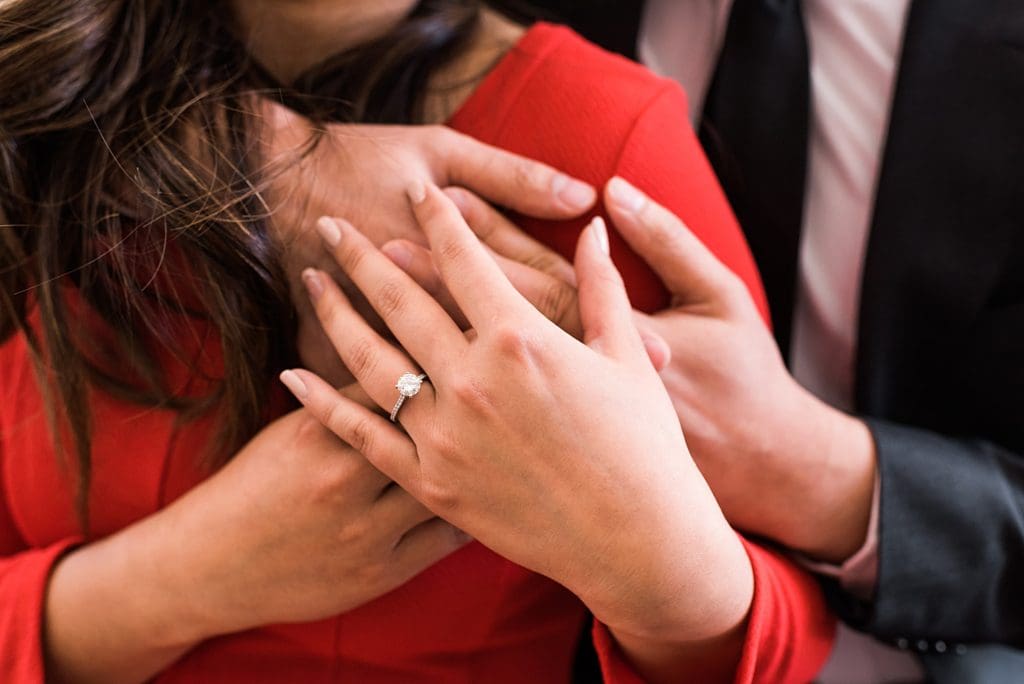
(408, 385)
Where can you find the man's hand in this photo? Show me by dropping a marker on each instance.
(361, 172)
(781, 463)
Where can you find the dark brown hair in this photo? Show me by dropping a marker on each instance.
(129, 176)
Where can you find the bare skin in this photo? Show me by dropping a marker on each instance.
(794, 469)
(178, 577)
(493, 444)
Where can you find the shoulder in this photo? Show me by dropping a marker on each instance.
(561, 99)
(562, 55)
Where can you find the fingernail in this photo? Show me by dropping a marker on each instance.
(601, 234)
(458, 198)
(399, 254)
(329, 230)
(416, 190)
(293, 382)
(314, 285)
(626, 196)
(576, 194)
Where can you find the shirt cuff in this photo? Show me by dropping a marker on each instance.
(859, 574)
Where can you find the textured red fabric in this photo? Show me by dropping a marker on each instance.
(474, 616)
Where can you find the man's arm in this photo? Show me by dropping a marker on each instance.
(951, 541)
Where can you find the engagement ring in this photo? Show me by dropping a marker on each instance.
(408, 386)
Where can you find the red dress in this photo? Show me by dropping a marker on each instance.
(475, 616)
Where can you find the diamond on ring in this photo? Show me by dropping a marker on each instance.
(408, 385)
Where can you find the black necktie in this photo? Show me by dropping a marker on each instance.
(755, 133)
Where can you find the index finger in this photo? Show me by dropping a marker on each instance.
(506, 238)
(687, 267)
(473, 277)
(527, 186)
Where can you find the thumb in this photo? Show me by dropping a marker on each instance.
(605, 312)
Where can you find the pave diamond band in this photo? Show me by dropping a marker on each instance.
(408, 386)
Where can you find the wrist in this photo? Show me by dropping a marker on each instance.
(832, 489)
(706, 639)
(108, 617)
(696, 598)
(138, 571)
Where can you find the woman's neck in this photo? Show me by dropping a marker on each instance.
(288, 37)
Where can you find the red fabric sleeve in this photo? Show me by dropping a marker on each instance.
(23, 577)
(24, 573)
(789, 630)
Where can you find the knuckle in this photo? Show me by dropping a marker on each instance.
(363, 357)
(528, 176)
(391, 299)
(734, 291)
(439, 497)
(443, 135)
(453, 251)
(356, 530)
(545, 262)
(516, 343)
(308, 430)
(555, 301)
(350, 255)
(469, 392)
(362, 436)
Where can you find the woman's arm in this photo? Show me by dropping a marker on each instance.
(23, 577)
(621, 517)
(284, 521)
(788, 631)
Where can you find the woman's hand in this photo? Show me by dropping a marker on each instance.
(297, 527)
(565, 457)
(781, 463)
(361, 171)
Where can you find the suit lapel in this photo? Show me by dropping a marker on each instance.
(948, 201)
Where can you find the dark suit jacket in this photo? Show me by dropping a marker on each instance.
(940, 368)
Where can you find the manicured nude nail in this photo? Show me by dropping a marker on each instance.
(626, 195)
(601, 234)
(576, 194)
(311, 278)
(293, 382)
(329, 231)
(416, 190)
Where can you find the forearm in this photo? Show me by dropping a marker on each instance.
(826, 465)
(117, 610)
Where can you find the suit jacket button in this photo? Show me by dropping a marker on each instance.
(922, 646)
(960, 649)
(902, 644)
(940, 646)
